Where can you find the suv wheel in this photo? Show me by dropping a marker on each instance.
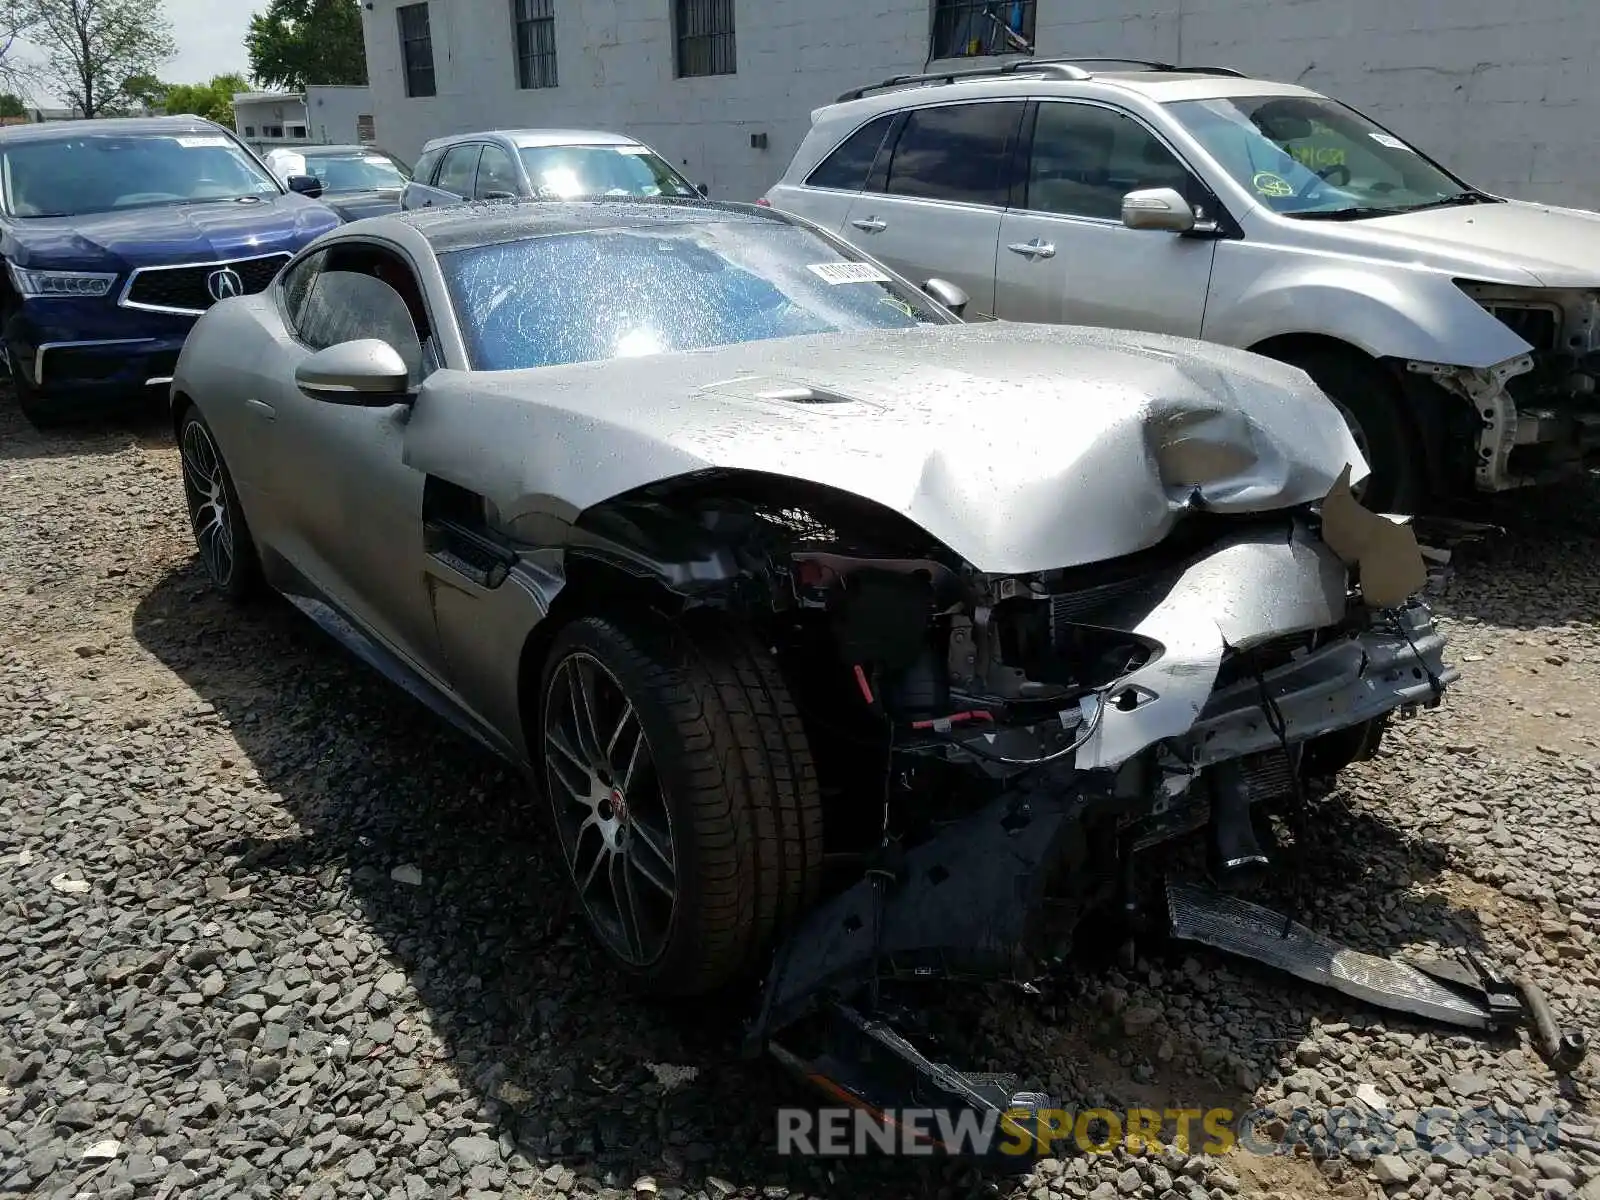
(1375, 411)
(684, 797)
(40, 413)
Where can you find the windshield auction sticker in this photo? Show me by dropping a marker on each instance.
(194, 143)
(1276, 186)
(847, 272)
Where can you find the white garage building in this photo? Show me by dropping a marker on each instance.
(1506, 94)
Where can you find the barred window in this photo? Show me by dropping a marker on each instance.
(536, 42)
(416, 49)
(976, 28)
(704, 33)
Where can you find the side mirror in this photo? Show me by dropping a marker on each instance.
(947, 294)
(306, 185)
(702, 189)
(368, 373)
(1157, 208)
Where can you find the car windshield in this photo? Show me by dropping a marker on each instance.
(356, 172)
(569, 172)
(95, 173)
(622, 293)
(1315, 159)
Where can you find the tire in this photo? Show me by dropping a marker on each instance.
(723, 783)
(39, 412)
(1375, 411)
(227, 551)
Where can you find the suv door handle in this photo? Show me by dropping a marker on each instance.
(870, 224)
(1033, 249)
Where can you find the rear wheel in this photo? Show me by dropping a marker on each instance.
(227, 551)
(684, 797)
(1374, 409)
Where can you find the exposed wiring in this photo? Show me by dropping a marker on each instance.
(1299, 817)
(1089, 729)
(1399, 625)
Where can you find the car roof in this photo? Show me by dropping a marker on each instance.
(1155, 82)
(129, 126)
(528, 138)
(464, 226)
(319, 151)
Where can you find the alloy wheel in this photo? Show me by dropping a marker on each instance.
(611, 814)
(207, 494)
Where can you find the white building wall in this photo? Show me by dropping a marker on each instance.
(334, 113)
(256, 112)
(1504, 93)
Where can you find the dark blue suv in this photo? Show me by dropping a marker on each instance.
(116, 235)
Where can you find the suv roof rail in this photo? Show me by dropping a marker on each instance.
(1062, 68)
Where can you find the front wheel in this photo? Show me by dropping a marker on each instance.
(1373, 407)
(684, 797)
(227, 551)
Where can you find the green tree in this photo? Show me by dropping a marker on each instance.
(299, 42)
(93, 48)
(213, 100)
(14, 73)
(12, 106)
(144, 88)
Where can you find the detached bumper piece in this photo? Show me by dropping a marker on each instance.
(866, 1065)
(1250, 931)
(1460, 990)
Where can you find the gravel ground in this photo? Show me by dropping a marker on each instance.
(268, 930)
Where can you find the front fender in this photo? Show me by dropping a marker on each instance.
(1410, 315)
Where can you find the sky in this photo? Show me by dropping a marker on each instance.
(210, 38)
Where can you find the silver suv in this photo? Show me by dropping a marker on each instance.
(1459, 332)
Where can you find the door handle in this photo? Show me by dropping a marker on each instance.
(870, 224)
(262, 408)
(1033, 249)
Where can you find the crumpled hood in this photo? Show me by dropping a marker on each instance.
(1020, 447)
(168, 233)
(1515, 242)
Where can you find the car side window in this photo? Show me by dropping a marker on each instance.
(1086, 158)
(423, 172)
(459, 170)
(959, 152)
(847, 167)
(367, 292)
(295, 283)
(496, 173)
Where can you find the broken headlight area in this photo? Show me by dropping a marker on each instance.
(999, 754)
(1535, 418)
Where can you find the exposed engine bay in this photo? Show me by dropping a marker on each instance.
(997, 753)
(1536, 417)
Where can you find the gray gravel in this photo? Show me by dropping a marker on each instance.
(268, 930)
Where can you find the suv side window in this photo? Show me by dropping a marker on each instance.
(847, 167)
(496, 173)
(459, 170)
(959, 152)
(1086, 158)
(423, 172)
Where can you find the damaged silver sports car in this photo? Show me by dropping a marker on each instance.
(847, 639)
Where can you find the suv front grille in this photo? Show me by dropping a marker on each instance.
(185, 289)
